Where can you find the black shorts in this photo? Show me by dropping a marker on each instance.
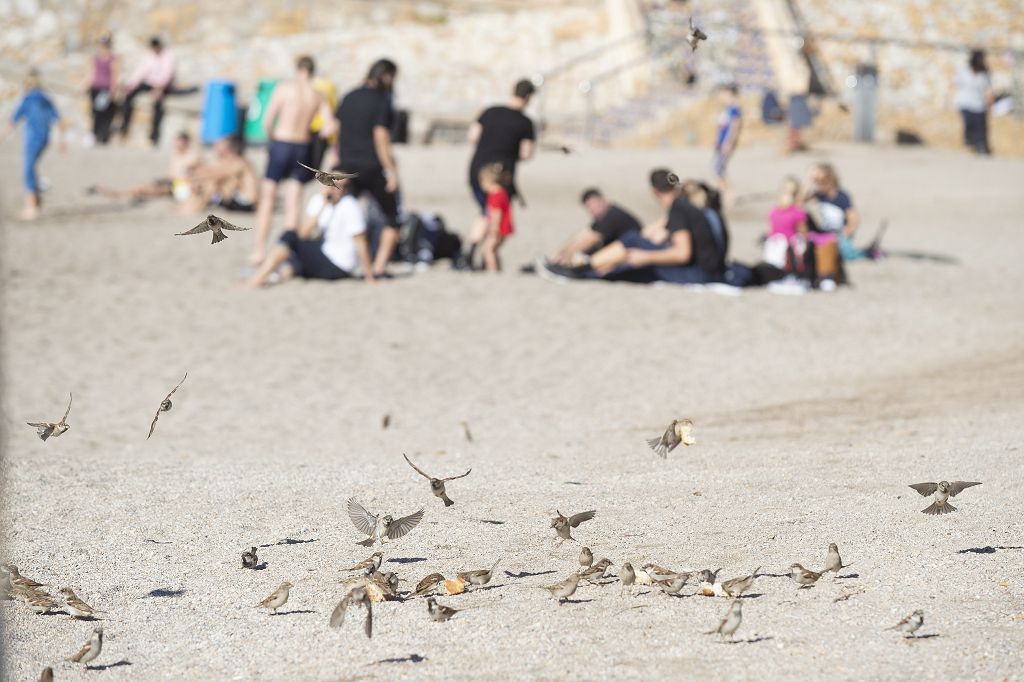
(372, 180)
(238, 204)
(283, 159)
(307, 258)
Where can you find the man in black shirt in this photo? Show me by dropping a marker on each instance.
(364, 145)
(502, 134)
(682, 250)
(610, 224)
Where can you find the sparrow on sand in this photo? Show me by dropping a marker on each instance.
(563, 525)
(479, 577)
(91, 649)
(17, 578)
(586, 557)
(708, 576)
(357, 596)
(673, 584)
(328, 178)
(436, 484)
(737, 586)
(249, 558)
(277, 598)
(165, 405)
(679, 431)
(379, 528)
(627, 577)
(834, 562)
(439, 613)
(596, 572)
(694, 36)
(564, 589)
(47, 429)
(731, 622)
(943, 490)
(41, 603)
(429, 585)
(804, 577)
(911, 624)
(368, 565)
(76, 607)
(216, 225)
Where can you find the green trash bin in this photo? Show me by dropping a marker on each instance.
(254, 132)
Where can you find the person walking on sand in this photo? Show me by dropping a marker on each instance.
(973, 97)
(289, 115)
(39, 115)
(730, 123)
(502, 134)
(365, 116)
(106, 69)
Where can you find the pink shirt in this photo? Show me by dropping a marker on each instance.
(156, 70)
(784, 221)
(103, 71)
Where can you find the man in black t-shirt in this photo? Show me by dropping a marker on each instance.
(364, 145)
(502, 134)
(682, 250)
(610, 224)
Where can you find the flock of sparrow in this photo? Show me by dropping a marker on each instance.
(368, 584)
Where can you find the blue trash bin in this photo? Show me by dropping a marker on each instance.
(220, 111)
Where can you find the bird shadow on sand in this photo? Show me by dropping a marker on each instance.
(489, 587)
(159, 542)
(848, 576)
(406, 560)
(123, 662)
(985, 550)
(575, 601)
(752, 595)
(290, 541)
(923, 256)
(752, 640)
(411, 658)
(165, 592)
(527, 574)
(292, 612)
(573, 483)
(492, 522)
(914, 638)
(773, 575)
(262, 566)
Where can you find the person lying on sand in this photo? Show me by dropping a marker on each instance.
(329, 244)
(184, 160)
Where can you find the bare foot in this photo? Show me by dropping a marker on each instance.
(29, 214)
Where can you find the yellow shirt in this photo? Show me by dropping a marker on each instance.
(330, 93)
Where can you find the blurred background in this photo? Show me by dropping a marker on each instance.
(613, 72)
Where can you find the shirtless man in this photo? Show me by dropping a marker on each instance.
(228, 182)
(289, 115)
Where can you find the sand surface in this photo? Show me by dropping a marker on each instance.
(813, 414)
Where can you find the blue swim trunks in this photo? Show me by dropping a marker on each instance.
(283, 159)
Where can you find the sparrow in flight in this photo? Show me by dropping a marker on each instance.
(694, 36)
(328, 178)
(563, 525)
(48, 429)
(357, 596)
(215, 225)
(165, 406)
(943, 490)
(380, 529)
(436, 484)
(679, 431)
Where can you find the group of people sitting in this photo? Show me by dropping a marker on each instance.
(810, 236)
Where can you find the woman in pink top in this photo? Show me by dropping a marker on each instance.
(105, 75)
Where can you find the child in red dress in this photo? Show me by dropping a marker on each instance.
(499, 214)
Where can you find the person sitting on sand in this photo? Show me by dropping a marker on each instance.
(39, 115)
(709, 201)
(177, 185)
(785, 243)
(610, 223)
(490, 235)
(680, 250)
(228, 182)
(330, 244)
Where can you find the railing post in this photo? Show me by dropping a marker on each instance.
(587, 88)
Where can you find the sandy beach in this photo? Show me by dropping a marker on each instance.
(812, 415)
